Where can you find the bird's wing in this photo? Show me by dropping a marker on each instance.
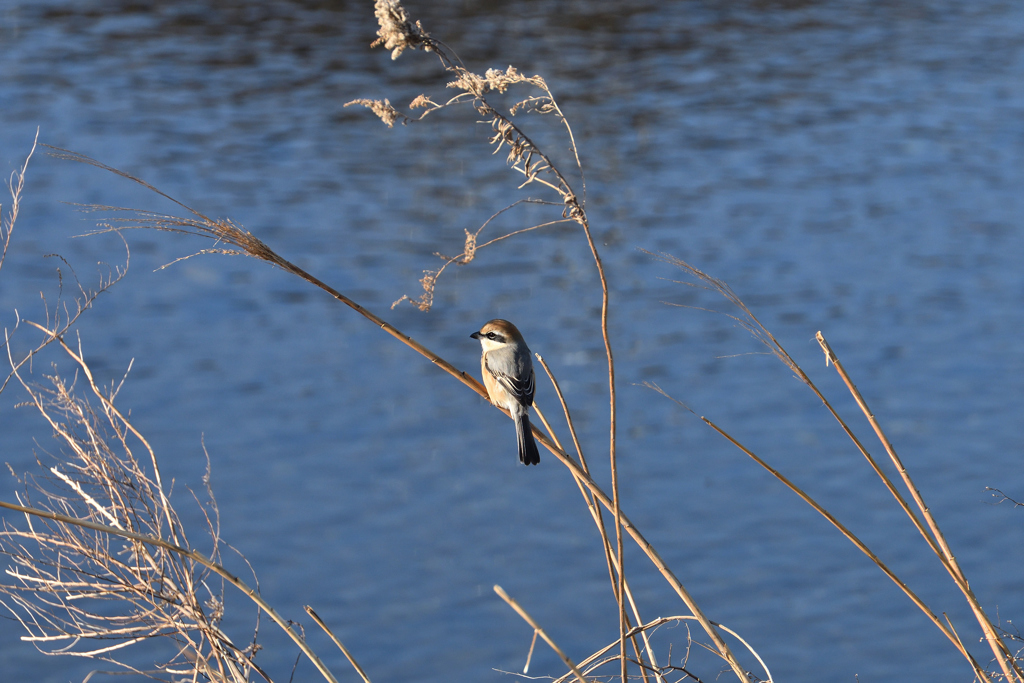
(522, 388)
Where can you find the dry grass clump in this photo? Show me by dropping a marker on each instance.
(103, 562)
(83, 592)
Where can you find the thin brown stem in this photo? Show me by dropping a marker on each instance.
(750, 322)
(999, 649)
(616, 511)
(595, 511)
(336, 641)
(537, 629)
(980, 672)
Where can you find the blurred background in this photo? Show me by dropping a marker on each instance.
(854, 168)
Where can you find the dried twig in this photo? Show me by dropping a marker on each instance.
(537, 629)
(15, 184)
(76, 588)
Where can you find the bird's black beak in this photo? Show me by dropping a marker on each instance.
(475, 335)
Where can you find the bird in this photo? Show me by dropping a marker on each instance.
(507, 369)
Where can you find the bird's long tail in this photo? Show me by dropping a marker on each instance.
(528, 453)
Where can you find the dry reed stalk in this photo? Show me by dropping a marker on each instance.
(1000, 651)
(709, 627)
(344, 650)
(748, 321)
(191, 555)
(849, 535)
(537, 629)
(612, 566)
(73, 586)
(70, 583)
(1010, 668)
(595, 511)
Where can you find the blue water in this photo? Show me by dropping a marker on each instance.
(851, 168)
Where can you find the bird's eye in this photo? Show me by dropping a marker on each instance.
(491, 335)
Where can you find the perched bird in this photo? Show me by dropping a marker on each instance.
(507, 369)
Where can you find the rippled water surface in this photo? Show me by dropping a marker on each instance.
(854, 168)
